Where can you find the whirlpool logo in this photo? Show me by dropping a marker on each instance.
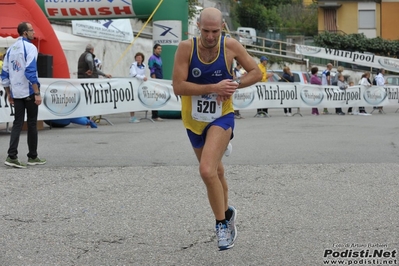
(243, 97)
(61, 98)
(312, 96)
(154, 96)
(374, 95)
(304, 49)
(390, 64)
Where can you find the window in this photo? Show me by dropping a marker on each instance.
(366, 19)
(393, 80)
(297, 78)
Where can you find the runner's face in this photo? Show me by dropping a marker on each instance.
(210, 32)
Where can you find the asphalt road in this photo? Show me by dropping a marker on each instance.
(307, 190)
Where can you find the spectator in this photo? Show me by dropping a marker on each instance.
(380, 81)
(155, 65)
(326, 80)
(237, 76)
(287, 77)
(351, 83)
(342, 86)
(137, 70)
(364, 81)
(87, 68)
(98, 63)
(334, 81)
(314, 79)
(263, 68)
(23, 89)
(86, 65)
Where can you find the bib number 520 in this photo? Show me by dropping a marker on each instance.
(206, 107)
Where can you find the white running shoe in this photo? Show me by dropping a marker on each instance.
(231, 225)
(223, 237)
(229, 150)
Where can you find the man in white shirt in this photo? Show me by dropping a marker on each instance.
(20, 81)
(380, 81)
(326, 80)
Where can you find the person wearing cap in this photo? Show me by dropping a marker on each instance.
(263, 68)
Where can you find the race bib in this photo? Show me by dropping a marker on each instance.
(205, 108)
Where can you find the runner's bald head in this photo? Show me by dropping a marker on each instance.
(211, 14)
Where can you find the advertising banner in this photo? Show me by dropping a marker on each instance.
(71, 98)
(117, 30)
(87, 9)
(167, 32)
(357, 58)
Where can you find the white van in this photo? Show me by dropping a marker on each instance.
(246, 35)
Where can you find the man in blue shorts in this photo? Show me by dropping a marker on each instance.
(203, 76)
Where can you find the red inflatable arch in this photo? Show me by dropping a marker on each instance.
(14, 12)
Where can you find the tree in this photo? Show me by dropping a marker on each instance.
(289, 16)
(251, 13)
(298, 19)
(271, 3)
(192, 11)
(357, 42)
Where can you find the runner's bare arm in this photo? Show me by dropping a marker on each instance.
(236, 51)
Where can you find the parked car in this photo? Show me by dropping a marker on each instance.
(274, 78)
(392, 80)
(246, 35)
(299, 76)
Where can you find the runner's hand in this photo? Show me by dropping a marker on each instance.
(226, 87)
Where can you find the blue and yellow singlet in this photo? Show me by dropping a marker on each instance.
(199, 111)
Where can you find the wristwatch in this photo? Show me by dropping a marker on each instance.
(37, 93)
(238, 80)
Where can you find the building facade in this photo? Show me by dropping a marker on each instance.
(377, 18)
